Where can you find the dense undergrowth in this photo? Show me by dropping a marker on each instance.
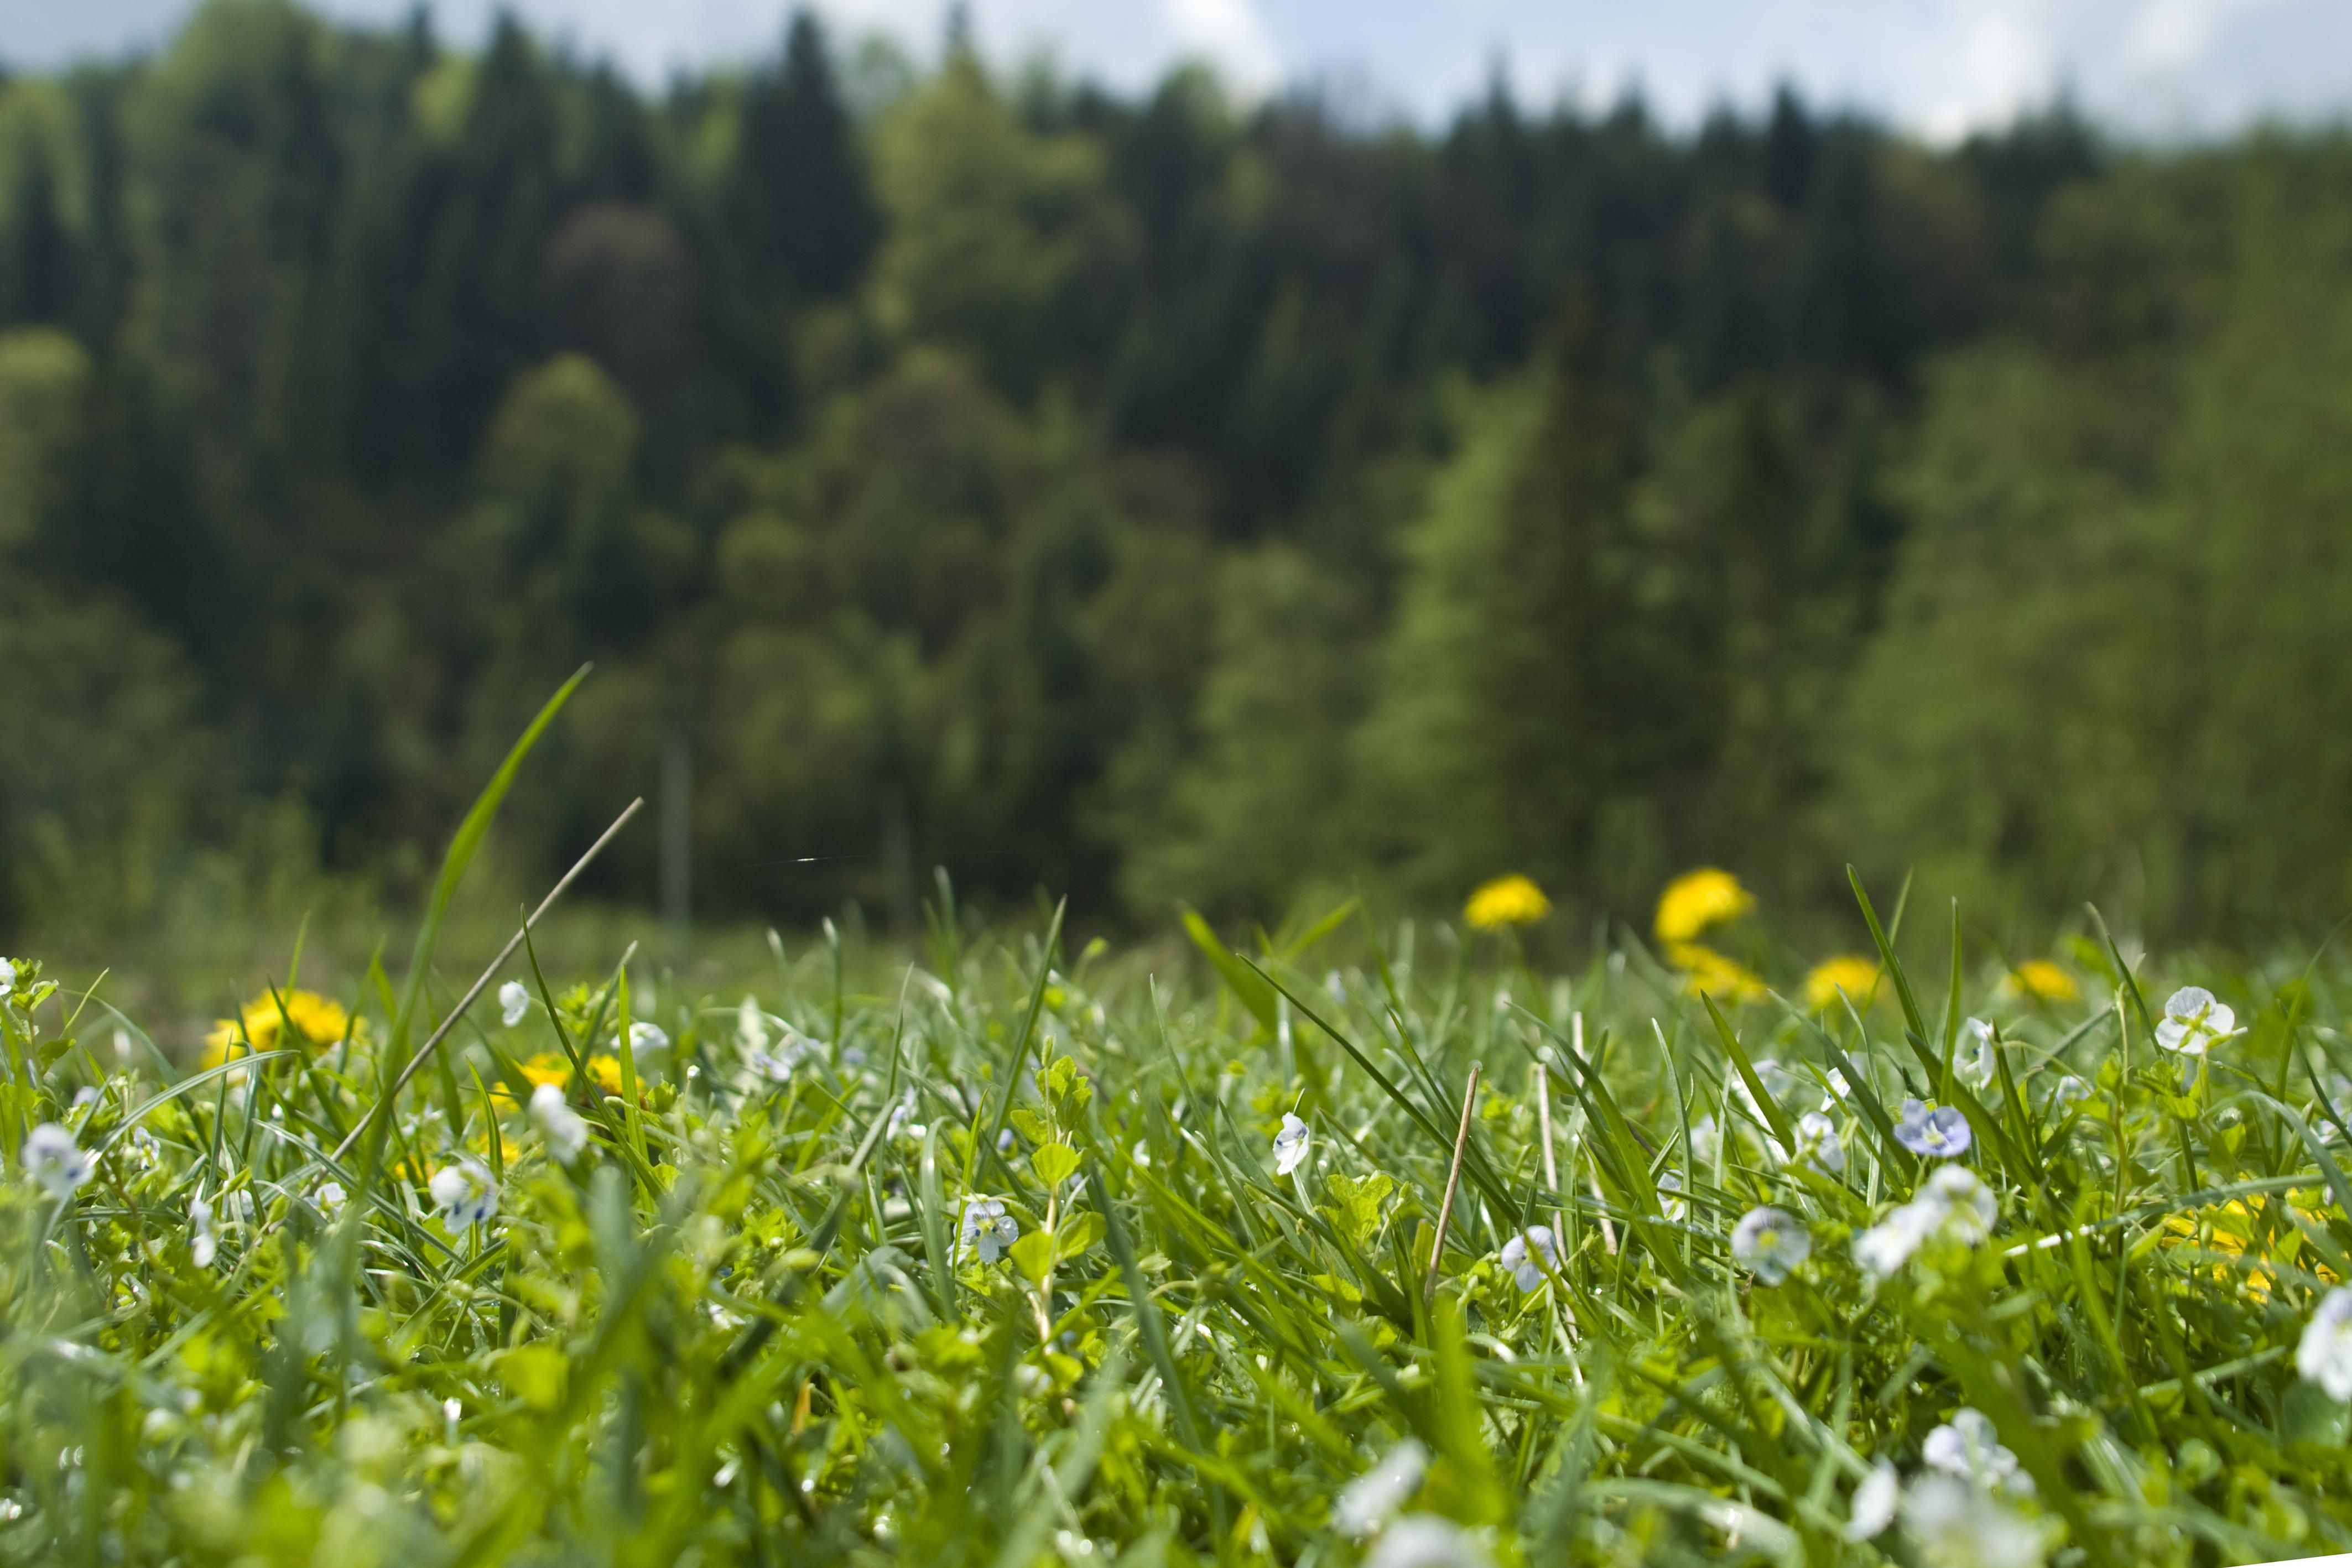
(1038, 1256)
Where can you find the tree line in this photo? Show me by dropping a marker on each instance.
(1158, 496)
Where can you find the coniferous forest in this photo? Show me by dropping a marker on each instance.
(1157, 496)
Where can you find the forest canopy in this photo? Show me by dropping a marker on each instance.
(1160, 498)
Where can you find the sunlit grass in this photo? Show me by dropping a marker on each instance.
(1034, 1257)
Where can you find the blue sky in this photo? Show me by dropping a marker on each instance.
(1939, 67)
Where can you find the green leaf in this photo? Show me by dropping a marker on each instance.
(534, 1374)
(1032, 1125)
(1034, 1254)
(2308, 1416)
(1078, 1233)
(1054, 1163)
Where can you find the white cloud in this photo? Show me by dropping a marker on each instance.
(1233, 33)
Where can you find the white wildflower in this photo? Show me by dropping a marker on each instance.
(2070, 1089)
(8, 976)
(1954, 1206)
(1670, 1191)
(1885, 1247)
(1771, 1243)
(2325, 1354)
(987, 1228)
(1967, 1447)
(1969, 1207)
(202, 1244)
(2195, 1022)
(1939, 1133)
(1818, 1143)
(55, 1161)
(1426, 1540)
(330, 1198)
(514, 1003)
(1873, 1504)
(902, 1119)
(466, 1192)
(1976, 1055)
(1706, 1140)
(1956, 1525)
(648, 1036)
(1367, 1502)
(558, 1122)
(1290, 1144)
(1529, 1270)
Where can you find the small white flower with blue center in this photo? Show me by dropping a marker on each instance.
(1976, 1055)
(55, 1161)
(558, 1122)
(1529, 1254)
(2195, 1021)
(1372, 1499)
(1940, 1133)
(987, 1228)
(1818, 1143)
(2325, 1354)
(1873, 1504)
(514, 1003)
(1771, 1243)
(1290, 1144)
(465, 1193)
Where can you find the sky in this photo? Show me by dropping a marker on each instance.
(1939, 67)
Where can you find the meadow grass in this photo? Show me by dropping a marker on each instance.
(1028, 1256)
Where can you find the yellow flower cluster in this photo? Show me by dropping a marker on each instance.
(553, 1067)
(1708, 973)
(1505, 901)
(1692, 902)
(1849, 975)
(2040, 980)
(315, 1022)
(2233, 1227)
(1697, 900)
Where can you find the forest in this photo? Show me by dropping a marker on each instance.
(1155, 497)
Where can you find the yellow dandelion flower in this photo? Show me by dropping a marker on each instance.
(2040, 980)
(605, 1071)
(1849, 975)
(549, 1067)
(1700, 899)
(317, 1021)
(1505, 901)
(1708, 973)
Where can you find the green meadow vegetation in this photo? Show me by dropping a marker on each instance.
(1360, 1243)
(1635, 826)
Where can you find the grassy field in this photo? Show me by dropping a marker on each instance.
(1013, 1255)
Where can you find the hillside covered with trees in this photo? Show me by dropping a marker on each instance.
(1159, 498)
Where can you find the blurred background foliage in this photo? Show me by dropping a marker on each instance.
(1155, 498)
